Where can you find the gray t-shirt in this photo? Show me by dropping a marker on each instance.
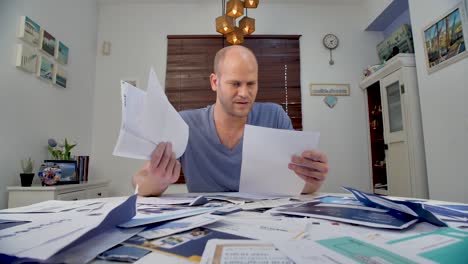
(208, 165)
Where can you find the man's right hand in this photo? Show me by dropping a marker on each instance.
(158, 173)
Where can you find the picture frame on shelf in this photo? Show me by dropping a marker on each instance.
(29, 31)
(445, 39)
(68, 170)
(60, 77)
(47, 43)
(26, 58)
(61, 53)
(45, 68)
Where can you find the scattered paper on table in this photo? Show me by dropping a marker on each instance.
(266, 154)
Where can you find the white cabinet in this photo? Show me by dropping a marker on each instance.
(21, 196)
(402, 129)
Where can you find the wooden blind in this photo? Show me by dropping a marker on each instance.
(190, 63)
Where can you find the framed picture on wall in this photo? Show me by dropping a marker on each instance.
(26, 58)
(47, 43)
(445, 39)
(45, 68)
(60, 77)
(61, 53)
(29, 31)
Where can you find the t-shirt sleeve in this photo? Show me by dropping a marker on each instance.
(284, 122)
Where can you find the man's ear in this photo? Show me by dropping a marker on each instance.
(214, 82)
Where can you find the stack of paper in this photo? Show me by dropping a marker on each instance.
(46, 234)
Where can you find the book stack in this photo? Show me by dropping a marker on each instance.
(82, 163)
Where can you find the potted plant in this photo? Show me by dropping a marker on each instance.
(27, 176)
(60, 151)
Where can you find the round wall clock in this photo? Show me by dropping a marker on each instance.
(331, 42)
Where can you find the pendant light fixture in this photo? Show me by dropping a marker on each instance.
(235, 37)
(247, 24)
(250, 3)
(226, 23)
(235, 8)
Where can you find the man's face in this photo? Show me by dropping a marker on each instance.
(236, 85)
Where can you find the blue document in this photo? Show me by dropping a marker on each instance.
(352, 214)
(396, 208)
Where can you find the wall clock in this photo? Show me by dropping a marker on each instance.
(331, 42)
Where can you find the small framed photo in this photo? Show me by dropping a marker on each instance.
(29, 31)
(68, 169)
(60, 77)
(47, 43)
(61, 53)
(26, 58)
(445, 39)
(45, 68)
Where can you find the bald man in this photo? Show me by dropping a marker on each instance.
(212, 160)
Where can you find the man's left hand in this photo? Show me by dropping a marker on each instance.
(312, 167)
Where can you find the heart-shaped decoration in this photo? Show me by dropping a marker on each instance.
(331, 101)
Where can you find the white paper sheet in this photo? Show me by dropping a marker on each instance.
(180, 225)
(51, 206)
(165, 200)
(157, 257)
(88, 250)
(161, 122)
(265, 157)
(262, 228)
(148, 119)
(47, 234)
(219, 251)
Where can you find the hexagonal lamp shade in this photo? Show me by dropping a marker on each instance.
(224, 24)
(235, 8)
(247, 24)
(251, 3)
(235, 37)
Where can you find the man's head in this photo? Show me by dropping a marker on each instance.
(235, 80)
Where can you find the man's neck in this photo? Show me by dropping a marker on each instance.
(230, 128)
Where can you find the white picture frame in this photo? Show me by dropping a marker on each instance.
(61, 53)
(47, 43)
(26, 58)
(60, 77)
(29, 31)
(438, 53)
(45, 68)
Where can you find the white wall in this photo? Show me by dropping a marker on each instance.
(138, 33)
(444, 110)
(32, 110)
